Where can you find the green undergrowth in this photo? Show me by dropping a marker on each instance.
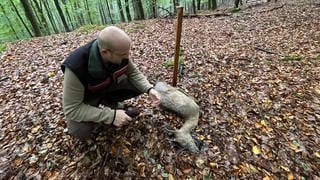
(136, 25)
(292, 58)
(235, 10)
(89, 27)
(170, 62)
(3, 47)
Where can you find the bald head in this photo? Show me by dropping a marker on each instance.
(113, 38)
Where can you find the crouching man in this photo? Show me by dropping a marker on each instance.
(101, 72)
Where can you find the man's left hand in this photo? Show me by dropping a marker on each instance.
(155, 97)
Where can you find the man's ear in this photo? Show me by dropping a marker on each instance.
(104, 51)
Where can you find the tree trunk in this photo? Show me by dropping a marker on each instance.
(33, 9)
(154, 8)
(50, 16)
(43, 22)
(24, 24)
(199, 4)
(128, 10)
(76, 7)
(9, 22)
(88, 11)
(63, 19)
(213, 4)
(236, 3)
(109, 12)
(69, 17)
(102, 14)
(30, 16)
(194, 9)
(121, 11)
(139, 14)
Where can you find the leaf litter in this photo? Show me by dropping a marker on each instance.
(259, 113)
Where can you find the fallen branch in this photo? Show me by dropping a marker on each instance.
(207, 15)
(272, 9)
(264, 50)
(3, 79)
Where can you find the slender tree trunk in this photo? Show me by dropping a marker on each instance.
(109, 12)
(50, 16)
(36, 14)
(63, 19)
(236, 3)
(30, 16)
(88, 11)
(43, 22)
(212, 4)
(69, 17)
(139, 14)
(194, 9)
(9, 22)
(75, 14)
(154, 8)
(174, 3)
(79, 14)
(121, 11)
(17, 12)
(101, 12)
(199, 4)
(128, 10)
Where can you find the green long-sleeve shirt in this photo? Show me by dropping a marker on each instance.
(73, 97)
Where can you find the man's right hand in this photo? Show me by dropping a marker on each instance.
(121, 118)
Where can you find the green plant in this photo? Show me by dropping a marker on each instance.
(282, 18)
(170, 62)
(3, 47)
(239, 29)
(318, 57)
(292, 58)
(235, 10)
(195, 75)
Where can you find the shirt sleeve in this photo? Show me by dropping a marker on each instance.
(137, 78)
(74, 107)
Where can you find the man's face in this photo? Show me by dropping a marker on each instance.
(115, 57)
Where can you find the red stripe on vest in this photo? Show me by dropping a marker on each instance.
(104, 84)
(119, 72)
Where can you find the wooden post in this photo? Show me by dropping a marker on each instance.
(177, 47)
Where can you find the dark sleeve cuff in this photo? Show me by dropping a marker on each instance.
(149, 90)
(114, 117)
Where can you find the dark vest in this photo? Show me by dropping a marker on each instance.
(77, 62)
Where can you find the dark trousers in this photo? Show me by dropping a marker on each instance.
(115, 93)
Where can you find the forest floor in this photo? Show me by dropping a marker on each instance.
(255, 75)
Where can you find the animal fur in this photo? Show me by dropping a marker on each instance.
(183, 105)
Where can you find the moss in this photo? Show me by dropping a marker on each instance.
(292, 58)
(170, 62)
(235, 10)
(2, 47)
(283, 18)
(318, 57)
